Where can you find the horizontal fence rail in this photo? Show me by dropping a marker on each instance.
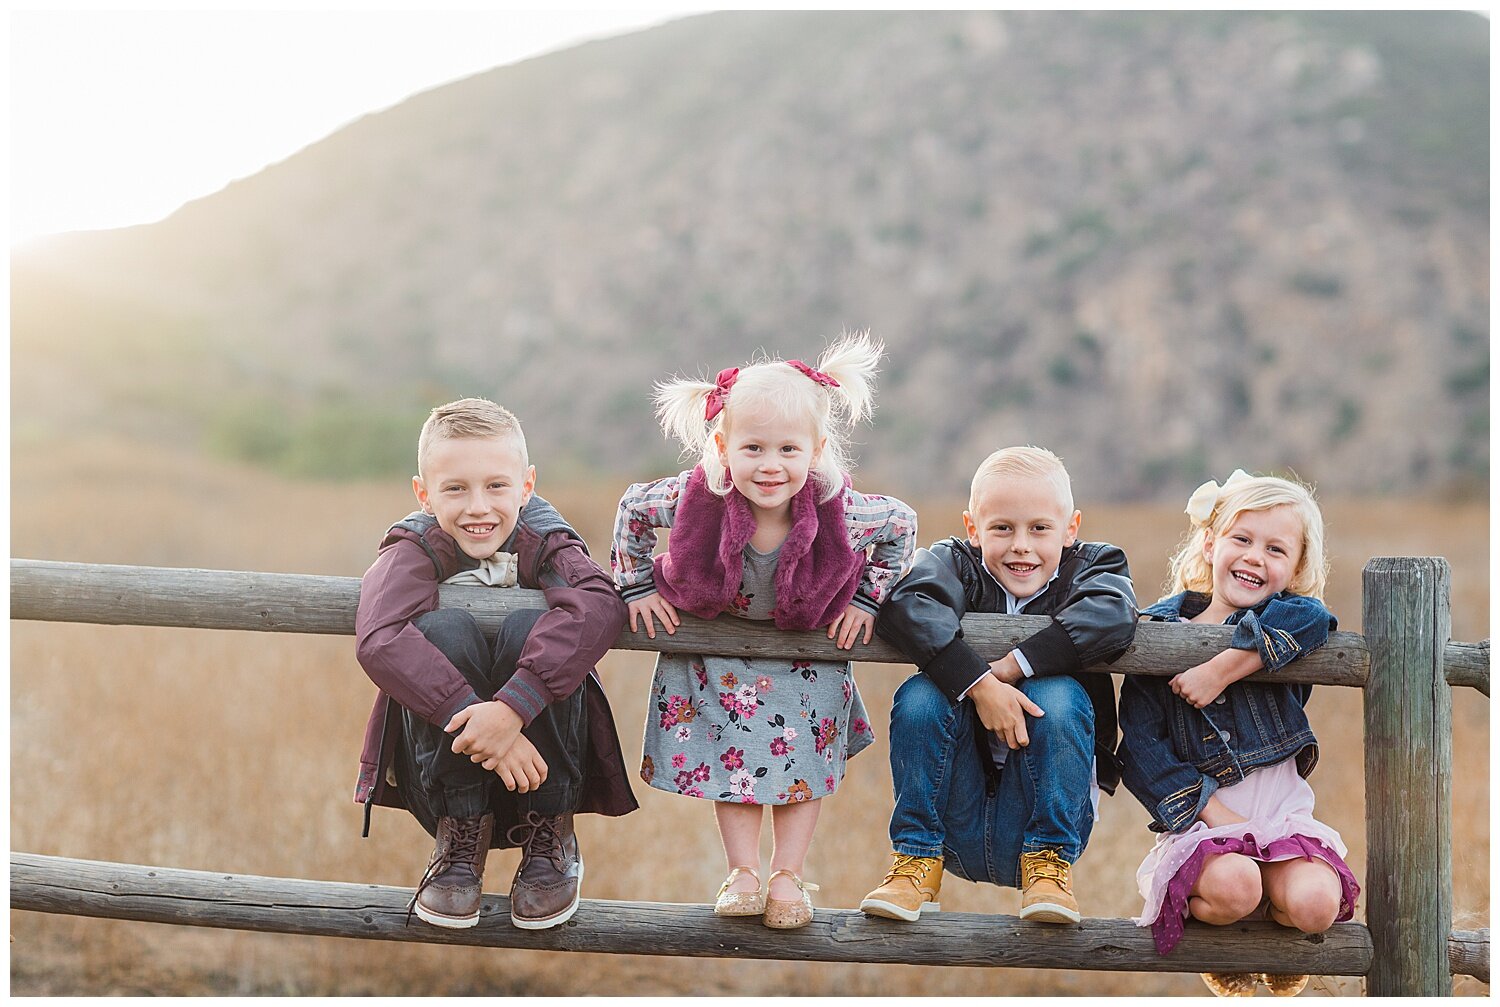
(301, 603)
(1405, 615)
(332, 909)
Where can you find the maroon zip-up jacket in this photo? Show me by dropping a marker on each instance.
(584, 617)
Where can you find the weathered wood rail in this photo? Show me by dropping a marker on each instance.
(286, 905)
(1404, 662)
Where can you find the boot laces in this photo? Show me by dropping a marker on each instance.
(463, 844)
(1046, 864)
(907, 866)
(538, 836)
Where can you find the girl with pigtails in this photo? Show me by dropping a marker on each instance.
(768, 527)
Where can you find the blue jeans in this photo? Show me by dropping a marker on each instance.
(944, 803)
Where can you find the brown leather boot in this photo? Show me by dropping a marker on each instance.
(545, 890)
(449, 893)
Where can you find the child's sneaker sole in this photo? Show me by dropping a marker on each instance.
(1048, 912)
(446, 922)
(891, 911)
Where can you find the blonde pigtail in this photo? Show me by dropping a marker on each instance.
(853, 362)
(680, 405)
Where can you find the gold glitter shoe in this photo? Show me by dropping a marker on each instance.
(728, 903)
(789, 914)
(1231, 984)
(1284, 986)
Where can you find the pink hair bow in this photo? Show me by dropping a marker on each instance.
(722, 384)
(816, 375)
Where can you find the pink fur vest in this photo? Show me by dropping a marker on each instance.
(816, 571)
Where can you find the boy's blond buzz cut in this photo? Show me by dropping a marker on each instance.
(1027, 462)
(472, 417)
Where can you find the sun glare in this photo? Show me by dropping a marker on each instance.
(118, 118)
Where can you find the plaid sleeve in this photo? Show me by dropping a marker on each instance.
(885, 530)
(644, 508)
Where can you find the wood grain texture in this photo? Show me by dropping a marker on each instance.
(292, 906)
(1468, 664)
(1469, 953)
(301, 603)
(1408, 776)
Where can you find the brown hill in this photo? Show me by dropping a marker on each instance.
(1164, 245)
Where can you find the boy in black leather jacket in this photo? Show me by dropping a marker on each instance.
(997, 765)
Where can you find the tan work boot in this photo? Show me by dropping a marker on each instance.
(908, 891)
(1231, 984)
(1046, 893)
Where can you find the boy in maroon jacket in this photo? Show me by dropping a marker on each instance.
(488, 743)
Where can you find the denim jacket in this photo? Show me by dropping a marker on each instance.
(1175, 756)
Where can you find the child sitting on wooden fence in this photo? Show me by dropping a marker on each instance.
(765, 527)
(488, 742)
(997, 765)
(1219, 762)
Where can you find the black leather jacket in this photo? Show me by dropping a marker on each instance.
(1093, 611)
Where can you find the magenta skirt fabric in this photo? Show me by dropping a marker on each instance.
(1277, 805)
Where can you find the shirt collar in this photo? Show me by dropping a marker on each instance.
(1013, 605)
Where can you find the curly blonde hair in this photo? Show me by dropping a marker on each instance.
(1191, 572)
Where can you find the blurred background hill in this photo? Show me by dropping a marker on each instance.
(1163, 245)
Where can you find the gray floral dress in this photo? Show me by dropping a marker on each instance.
(756, 730)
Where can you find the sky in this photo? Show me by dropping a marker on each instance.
(119, 117)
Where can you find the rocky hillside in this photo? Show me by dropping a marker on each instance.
(1163, 245)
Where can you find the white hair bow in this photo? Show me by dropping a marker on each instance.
(1200, 506)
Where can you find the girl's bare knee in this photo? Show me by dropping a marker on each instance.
(1229, 889)
(1311, 909)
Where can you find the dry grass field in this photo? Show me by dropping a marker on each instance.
(237, 752)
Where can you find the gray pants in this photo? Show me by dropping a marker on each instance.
(437, 782)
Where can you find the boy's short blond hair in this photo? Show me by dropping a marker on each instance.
(1024, 463)
(469, 418)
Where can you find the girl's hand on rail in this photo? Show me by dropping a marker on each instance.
(850, 625)
(654, 605)
(1203, 683)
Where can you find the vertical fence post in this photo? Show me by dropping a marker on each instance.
(1408, 776)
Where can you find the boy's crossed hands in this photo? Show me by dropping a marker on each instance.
(491, 736)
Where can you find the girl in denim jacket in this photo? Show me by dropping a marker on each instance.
(1219, 762)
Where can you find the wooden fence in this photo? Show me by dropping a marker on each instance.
(1404, 662)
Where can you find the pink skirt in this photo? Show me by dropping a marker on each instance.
(1278, 806)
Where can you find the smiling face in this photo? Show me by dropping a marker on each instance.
(1021, 525)
(1255, 557)
(768, 457)
(475, 487)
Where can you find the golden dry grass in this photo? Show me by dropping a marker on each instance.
(236, 751)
